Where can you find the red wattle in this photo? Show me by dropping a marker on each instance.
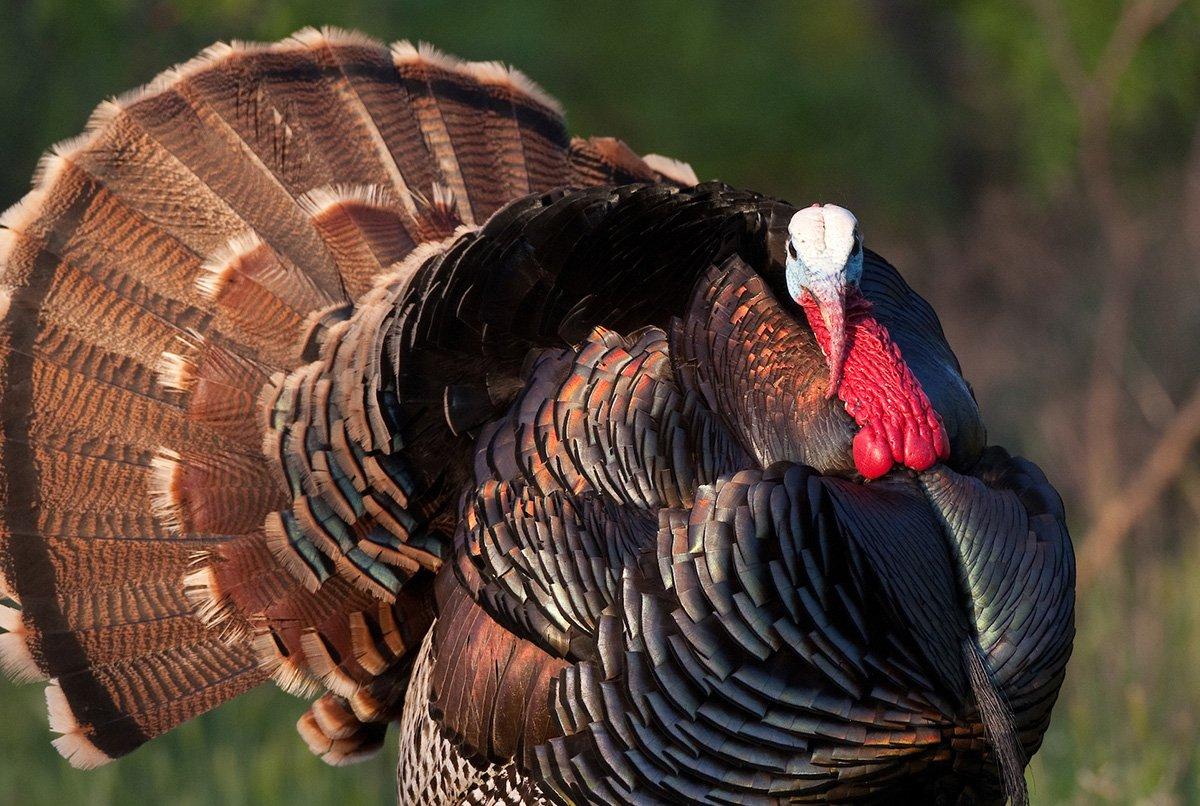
(872, 454)
(897, 423)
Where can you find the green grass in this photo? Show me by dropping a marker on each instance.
(245, 753)
(1126, 730)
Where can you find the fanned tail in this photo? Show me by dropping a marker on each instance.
(175, 267)
(202, 236)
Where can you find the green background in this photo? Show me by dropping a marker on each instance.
(949, 128)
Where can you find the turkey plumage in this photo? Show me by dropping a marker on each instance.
(344, 366)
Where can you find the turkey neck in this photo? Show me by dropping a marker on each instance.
(897, 423)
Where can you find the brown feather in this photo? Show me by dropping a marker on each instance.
(366, 231)
(489, 688)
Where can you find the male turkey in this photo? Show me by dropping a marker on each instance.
(342, 365)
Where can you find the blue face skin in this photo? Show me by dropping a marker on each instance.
(825, 259)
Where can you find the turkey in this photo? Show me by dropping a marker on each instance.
(343, 366)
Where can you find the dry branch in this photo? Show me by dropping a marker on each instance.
(1117, 504)
(1161, 468)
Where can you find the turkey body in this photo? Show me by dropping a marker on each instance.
(344, 366)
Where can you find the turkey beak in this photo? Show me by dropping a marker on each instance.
(831, 302)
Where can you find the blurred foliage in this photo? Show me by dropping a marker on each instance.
(1024, 112)
(940, 123)
(882, 106)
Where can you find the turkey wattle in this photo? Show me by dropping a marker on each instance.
(344, 366)
(866, 370)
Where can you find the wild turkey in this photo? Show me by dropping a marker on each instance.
(342, 365)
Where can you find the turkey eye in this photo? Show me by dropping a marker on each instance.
(791, 250)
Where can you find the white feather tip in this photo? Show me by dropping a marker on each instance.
(73, 743)
(223, 262)
(673, 169)
(164, 486)
(16, 659)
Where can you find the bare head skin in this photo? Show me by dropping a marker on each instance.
(825, 259)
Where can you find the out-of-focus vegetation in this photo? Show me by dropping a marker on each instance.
(1033, 168)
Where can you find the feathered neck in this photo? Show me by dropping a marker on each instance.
(757, 365)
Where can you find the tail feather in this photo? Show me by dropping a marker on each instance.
(78, 482)
(221, 389)
(85, 291)
(146, 183)
(212, 492)
(366, 230)
(110, 709)
(501, 128)
(107, 400)
(478, 179)
(418, 68)
(347, 114)
(608, 161)
(305, 79)
(205, 234)
(218, 161)
(672, 170)
(108, 643)
(126, 559)
(140, 250)
(371, 74)
(73, 740)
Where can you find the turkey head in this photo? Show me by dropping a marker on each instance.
(866, 369)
